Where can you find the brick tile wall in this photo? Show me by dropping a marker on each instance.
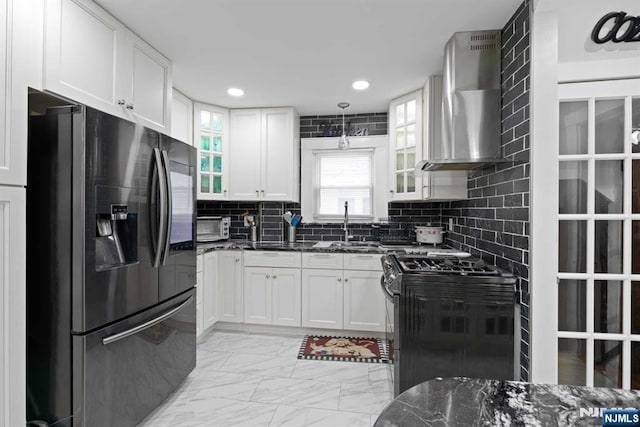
(493, 223)
(331, 125)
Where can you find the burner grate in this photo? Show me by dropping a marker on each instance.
(448, 265)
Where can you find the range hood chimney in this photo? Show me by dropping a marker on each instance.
(471, 127)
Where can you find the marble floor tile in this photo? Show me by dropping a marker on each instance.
(203, 385)
(356, 398)
(290, 348)
(379, 376)
(312, 394)
(251, 364)
(246, 343)
(214, 412)
(291, 416)
(206, 359)
(250, 380)
(339, 372)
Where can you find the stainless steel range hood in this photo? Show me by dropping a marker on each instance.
(471, 94)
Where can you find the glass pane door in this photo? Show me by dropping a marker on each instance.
(598, 289)
(406, 145)
(211, 125)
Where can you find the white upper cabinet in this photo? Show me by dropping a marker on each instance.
(245, 153)
(83, 53)
(414, 124)
(211, 138)
(181, 118)
(147, 84)
(280, 149)
(92, 58)
(405, 146)
(264, 156)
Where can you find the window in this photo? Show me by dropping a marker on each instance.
(344, 177)
(332, 177)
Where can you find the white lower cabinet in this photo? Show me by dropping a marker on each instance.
(336, 298)
(364, 303)
(270, 288)
(210, 294)
(199, 310)
(230, 285)
(322, 298)
(272, 296)
(12, 300)
(257, 295)
(286, 296)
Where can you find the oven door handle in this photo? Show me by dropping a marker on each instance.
(386, 291)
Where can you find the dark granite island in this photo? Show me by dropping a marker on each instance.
(475, 402)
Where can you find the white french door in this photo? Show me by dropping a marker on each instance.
(597, 339)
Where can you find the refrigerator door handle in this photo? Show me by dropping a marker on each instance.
(169, 207)
(146, 325)
(161, 237)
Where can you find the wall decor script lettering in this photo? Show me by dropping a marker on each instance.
(626, 28)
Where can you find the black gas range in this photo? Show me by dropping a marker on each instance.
(449, 316)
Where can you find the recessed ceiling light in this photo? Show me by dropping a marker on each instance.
(360, 85)
(234, 91)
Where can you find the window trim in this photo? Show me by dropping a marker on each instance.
(378, 144)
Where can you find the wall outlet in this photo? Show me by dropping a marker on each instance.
(248, 219)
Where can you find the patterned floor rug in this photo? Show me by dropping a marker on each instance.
(346, 349)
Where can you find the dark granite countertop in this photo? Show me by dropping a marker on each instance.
(477, 402)
(371, 247)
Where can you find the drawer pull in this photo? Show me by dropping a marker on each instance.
(122, 335)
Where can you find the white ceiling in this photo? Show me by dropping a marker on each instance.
(304, 53)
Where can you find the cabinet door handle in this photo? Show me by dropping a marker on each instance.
(257, 193)
(346, 279)
(120, 101)
(268, 277)
(237, 259)
(339, 279)
(129, 106)
(274, 277)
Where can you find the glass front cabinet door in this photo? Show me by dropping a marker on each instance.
(405, 144)
(211, 136)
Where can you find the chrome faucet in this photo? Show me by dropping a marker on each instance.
(345, 228)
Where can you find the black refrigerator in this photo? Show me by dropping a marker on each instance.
(111, 267)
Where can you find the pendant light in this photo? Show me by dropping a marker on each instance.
(343, 143)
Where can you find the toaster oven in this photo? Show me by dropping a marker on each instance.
(213, 228)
